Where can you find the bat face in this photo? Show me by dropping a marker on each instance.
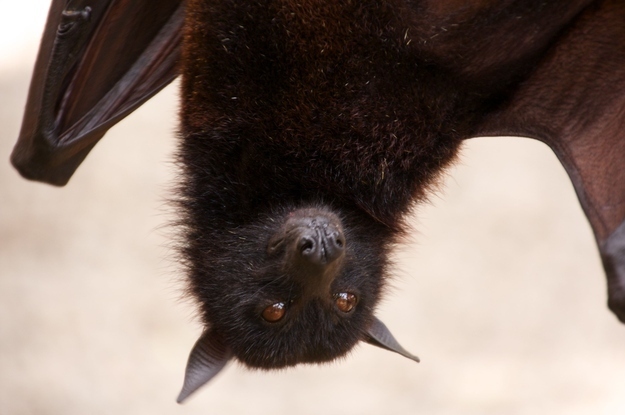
(293, 287)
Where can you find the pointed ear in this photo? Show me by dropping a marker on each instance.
(379, 335)
(208, 356)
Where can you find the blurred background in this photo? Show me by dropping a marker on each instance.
(499, 290)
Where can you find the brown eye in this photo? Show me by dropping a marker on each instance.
(274, 312)
(345, 301)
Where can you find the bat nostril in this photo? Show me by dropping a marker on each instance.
(335, 246)
(337, 240)
(306, 245)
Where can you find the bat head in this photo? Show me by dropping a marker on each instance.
(296, 286)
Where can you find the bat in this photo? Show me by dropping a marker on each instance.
(308, 131)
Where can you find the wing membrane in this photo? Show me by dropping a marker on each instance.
(98, 61)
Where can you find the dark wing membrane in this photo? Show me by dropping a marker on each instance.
(575, 102)
(98, 61)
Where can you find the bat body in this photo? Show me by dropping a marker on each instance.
(310, 129)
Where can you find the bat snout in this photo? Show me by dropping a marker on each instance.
(321, 243)
(313, 246)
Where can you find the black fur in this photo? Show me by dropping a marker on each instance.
(290, 105)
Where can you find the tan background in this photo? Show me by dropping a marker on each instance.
(500, 290)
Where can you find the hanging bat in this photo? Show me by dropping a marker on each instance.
(308, 130)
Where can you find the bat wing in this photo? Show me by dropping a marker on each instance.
(574, 101)
(98, 61)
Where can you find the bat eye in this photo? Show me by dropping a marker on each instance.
(274, 312)
(345, 301)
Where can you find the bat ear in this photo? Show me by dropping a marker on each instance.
(208, 356)
(379, 335)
